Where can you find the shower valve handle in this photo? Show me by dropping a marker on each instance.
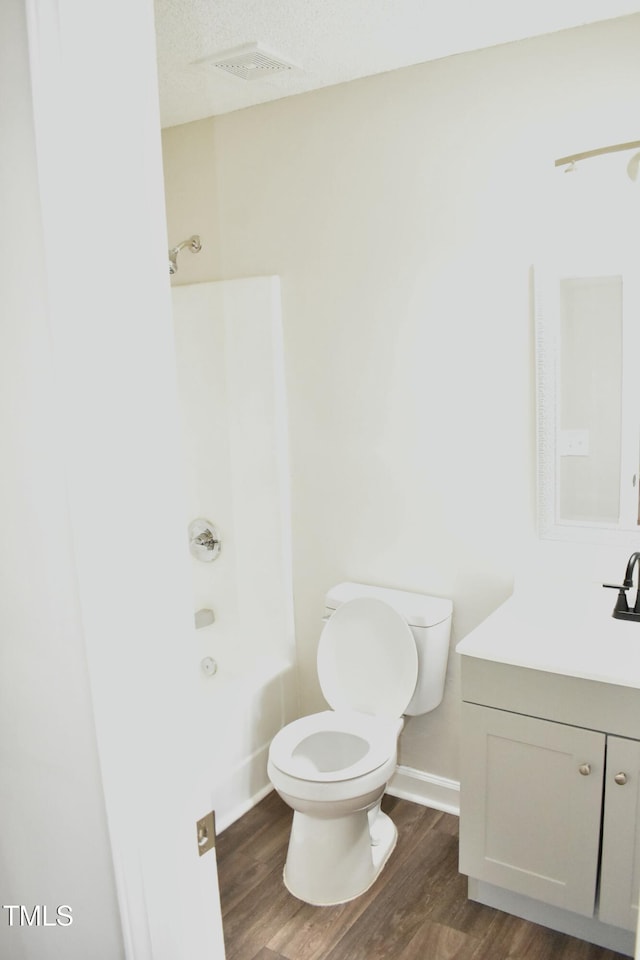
(204, 540)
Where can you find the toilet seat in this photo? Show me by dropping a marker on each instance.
(368, 659)
(334, 745)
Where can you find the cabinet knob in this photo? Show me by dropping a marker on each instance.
(585, 769)
(620, 778)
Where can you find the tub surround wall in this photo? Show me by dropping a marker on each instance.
(231, 383)
(403, 212)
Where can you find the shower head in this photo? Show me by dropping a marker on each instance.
(193, 243)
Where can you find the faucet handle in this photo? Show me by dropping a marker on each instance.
(621, 604)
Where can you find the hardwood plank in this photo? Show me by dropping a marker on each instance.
(390, 922)
(256, 918)
(315, 930)
(417, 909)
(514, 938)
(448, 823)
(452, 907)
(434, 940)
(261, 833)
(268, 810)
(518, 939)
(312, 931)
(242, 875)
(266, 954)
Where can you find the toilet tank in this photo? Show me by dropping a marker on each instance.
(429, 619)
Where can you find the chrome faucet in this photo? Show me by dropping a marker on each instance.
(621, 610)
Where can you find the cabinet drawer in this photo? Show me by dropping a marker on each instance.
(530, 806)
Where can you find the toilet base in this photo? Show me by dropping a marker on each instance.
(334, 861)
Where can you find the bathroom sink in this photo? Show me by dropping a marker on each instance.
(564, 629)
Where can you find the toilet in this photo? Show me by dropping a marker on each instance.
(382, 654)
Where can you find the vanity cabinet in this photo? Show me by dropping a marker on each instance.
(550, 778)
(529, 819)
(534, 812)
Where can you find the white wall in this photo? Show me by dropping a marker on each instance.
(54, 847)
(402, 213)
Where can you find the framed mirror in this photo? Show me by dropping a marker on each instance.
(587, 320)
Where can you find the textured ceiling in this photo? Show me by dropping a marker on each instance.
(332, 41)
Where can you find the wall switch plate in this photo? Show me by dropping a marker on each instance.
(574, 443)
(206, 831)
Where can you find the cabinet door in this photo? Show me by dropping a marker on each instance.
(530, 805)
(620, 872)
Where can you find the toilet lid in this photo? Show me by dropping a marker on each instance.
(367, 659)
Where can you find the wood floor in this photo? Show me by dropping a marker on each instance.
(416, 910)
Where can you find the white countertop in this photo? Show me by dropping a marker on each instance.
(563, 628)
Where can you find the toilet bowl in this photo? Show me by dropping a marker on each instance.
(332, 767)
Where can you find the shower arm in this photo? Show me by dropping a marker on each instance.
(193, 243)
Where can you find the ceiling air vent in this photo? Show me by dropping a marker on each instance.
(249, 62)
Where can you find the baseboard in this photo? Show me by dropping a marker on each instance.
(242, 789)
(428, 789)
(230, 816)
(406, 783)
